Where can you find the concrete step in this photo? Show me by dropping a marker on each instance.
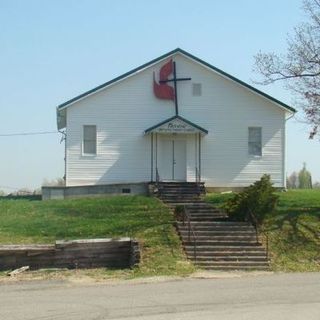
(196, 209)
(187, 203)
(219, 238)
(200, 204)
(220, 224)
(203, 211)
(221, 242)
(225, 259)
(180, 185)
(234, 268)
(205, 215)
(190, 198)
(232, 263)
(210, 228)
(219, 233)
(181, 188)
(221, 254)
(216, 249)
(181, 200)
(206, 218)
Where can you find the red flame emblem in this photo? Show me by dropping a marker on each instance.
(163, 90)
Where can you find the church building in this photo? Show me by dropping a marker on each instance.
(175, 118)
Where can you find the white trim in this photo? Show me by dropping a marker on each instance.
(168, 57)
(111, 84)
(83, 154)
(239, 84)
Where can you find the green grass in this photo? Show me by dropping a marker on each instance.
(293, 230)
(27, 221)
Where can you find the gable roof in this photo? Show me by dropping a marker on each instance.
(177, 117)
(185, 53)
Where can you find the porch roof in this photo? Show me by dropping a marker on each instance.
(176, 124)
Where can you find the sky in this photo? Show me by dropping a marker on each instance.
(51, 51)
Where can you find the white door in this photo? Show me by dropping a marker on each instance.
(173, 164)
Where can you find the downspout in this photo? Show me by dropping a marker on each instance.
(64, 138)
(285, 154)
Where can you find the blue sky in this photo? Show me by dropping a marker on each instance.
(51, 51)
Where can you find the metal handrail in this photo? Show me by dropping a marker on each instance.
(190, 231)
(255, 223)
(157, 181)
(198, 181)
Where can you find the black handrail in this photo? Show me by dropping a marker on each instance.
(198, 181)
(255, 223)
(186, 216)
(158, 181)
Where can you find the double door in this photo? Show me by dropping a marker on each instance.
(173, 160)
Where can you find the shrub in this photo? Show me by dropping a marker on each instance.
(257, 200)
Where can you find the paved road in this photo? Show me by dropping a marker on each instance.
(282, 296)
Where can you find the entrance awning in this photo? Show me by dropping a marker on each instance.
(176, 124)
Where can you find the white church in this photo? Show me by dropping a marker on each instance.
(175, 118)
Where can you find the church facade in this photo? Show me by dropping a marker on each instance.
(176, 118)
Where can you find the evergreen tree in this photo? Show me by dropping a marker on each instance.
(305, 181)
(292, 181)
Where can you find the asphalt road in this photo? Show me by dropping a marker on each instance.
(279, 296)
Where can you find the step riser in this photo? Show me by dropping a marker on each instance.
(221, 237)
(245, 268)
(206, 219)
(213, 229)
(179, 190)
(225, 255)
(203, 211)
(252, 260)
(180, 200)
(223, 224)
(219, 234)
(231, 249)
(232, 264)
(219, 243)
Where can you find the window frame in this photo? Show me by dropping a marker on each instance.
(250, 143)
(84, 140)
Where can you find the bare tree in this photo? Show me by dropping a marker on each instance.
(300, 67)
(58, 182)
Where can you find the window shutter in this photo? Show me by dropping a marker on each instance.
(196, 89)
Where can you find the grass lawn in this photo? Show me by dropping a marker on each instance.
(34, 221)
(293, 229)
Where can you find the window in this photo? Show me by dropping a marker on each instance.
(89, 139)
(255, 141)
(196, 89)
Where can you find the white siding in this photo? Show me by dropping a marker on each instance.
(226, 109)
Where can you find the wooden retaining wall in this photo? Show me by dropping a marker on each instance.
(86, 253)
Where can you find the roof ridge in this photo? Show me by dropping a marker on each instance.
(168, 54)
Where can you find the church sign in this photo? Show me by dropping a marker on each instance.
(176, 126)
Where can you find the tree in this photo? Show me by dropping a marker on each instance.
(292, 181)
(58, 182)
(305, 181)
(300, 67)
